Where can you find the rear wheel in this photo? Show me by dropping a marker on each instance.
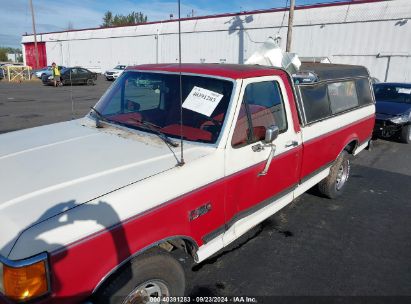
(334, 184)
(90, 82)
(154, 274)
(405, 135)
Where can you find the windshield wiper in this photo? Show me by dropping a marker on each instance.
(148, 126)
(154, 128)
(99, 117)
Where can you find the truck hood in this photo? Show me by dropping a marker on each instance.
(46, 166)
(114, 71)
(392, 108)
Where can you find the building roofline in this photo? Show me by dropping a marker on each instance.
(262, 11)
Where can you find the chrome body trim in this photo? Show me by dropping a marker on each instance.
(24, 262)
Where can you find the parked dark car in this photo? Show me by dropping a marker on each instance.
(76, 75)
(393, 110)
(1, 73)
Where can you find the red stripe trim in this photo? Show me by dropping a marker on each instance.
(253, 12)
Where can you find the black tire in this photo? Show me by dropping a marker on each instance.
(156, 266)
(90, 82)
(405, 135)
(334, 184)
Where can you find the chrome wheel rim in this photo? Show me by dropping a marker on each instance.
(342, 175)
(148, 292)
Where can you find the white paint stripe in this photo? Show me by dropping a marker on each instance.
(311, 182)
(46, 146)
(360, 148)
(331, 124)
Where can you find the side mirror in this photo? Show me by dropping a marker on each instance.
(271, 134)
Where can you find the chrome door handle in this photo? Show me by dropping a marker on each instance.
(291, 144)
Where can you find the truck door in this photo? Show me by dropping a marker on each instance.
(252, 196)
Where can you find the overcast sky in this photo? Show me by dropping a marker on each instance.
(57, 15)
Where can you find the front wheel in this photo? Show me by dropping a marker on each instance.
(405, 135)
(154, 274)
(334, 184)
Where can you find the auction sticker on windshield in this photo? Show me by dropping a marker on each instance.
(202, 101)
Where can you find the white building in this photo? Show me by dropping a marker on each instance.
(373, 33)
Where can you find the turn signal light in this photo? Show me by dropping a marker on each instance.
(25, 283)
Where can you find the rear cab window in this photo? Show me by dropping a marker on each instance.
(321, 100)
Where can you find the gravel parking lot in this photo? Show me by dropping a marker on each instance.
(357, 245)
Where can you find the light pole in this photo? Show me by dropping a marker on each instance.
(290, 26)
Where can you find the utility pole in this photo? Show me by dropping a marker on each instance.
(36, 50)
(290, 26)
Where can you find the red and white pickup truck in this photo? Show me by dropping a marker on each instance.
(96, 209)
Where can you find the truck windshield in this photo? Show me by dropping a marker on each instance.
(140, 98)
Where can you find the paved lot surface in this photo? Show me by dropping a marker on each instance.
(357, 245)
(32, 104)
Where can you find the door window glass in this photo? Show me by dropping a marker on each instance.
(82, 71)
(262, 107)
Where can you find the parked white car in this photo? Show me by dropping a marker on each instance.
(113, 74)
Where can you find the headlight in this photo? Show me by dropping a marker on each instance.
(50, 77)
(400, 119)
(25, 279)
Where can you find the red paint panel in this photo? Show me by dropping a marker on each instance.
(246, 189)
(325, 149)
(79, 267)
(292, 102)
(31, 54)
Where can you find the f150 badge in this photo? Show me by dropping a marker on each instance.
(196, 213)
